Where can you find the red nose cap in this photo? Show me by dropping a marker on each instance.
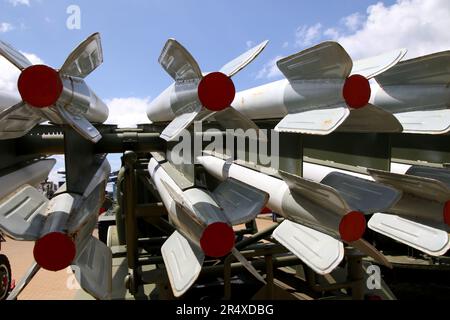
(40, 86)
(54, 251)
(357, 91)
(216, 91)
(217, 240)
(352, 226)
(447, 213)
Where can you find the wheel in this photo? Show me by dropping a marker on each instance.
(5, 277)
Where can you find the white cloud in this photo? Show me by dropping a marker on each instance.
(127, 112)
(20, 2)
(6, 27)
(250, 44)
(307, 35)
(331, 33)
(354, 21)
(270, 70)
(9, 73)
(285, 44)
(418, 25)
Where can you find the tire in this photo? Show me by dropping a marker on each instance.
(5, 277)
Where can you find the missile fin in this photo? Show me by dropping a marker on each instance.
(183, 121)
(362, 195)
(327, 60)
(14, 56)
(93, 269)
(374, 66)
(85, 58)
(236, 65)
(247, 265)
(320, 122)
(432, 241)
(371, 119)
(80, 124)
(183, 262)
(322, 195)
(439, 174)
(22, 214)
(230, 118)
(426, 121)
(241, 202)
(421, 187)
(317, 250)
(366, 248)
(178, 62)
(432, 69)
(18, 120)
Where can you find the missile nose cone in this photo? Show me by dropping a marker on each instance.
(40, 86)
(357, 91)
(216, 91)
(352, 226)
(447, 213)
(54, 251)
(217, 240)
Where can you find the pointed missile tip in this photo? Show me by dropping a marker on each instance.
(352, 226)
(55, 251)
(217, 240)
(357, 91)
(40, 86)
(216, 91)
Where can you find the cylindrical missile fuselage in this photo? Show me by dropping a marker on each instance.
(42, 87)
(275, 100)
(203, 216)
(281, 199)
(412, 97)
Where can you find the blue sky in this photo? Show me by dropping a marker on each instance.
(215, 31)
(134, 32)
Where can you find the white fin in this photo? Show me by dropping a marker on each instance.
(14, 56)
(22, 214)
(327, 60)
(85, 58)
(319, 122)
(425, 122)
(432, 241)
(236, 65)
(317, 250)
(373, 66)
(178, 62)
(183, 263)
(371, 119)
(93, 269)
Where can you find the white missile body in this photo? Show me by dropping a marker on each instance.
(61, 97)
(204, 223)
(196, 96)
(318, 214)
(420, 219)
(323, 91)
(416, 91)
(62, 229)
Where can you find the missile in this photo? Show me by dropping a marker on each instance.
(324, 91)
(62, 229)
(196, 96)
(420, 218)
(416, 91)
(60, 96)
(204, 223)
(318, 214)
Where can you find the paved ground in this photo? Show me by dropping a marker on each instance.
(46, 285)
